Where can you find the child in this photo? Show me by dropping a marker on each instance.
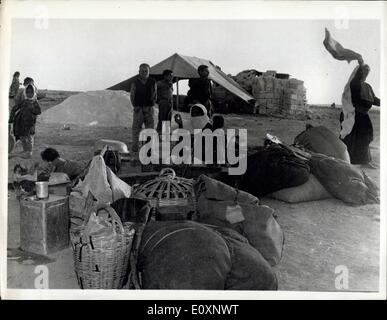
(57, 164)
(23, 116)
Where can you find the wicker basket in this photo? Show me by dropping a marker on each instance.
(102, 262)
(171, 197)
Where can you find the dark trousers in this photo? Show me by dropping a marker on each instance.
(165, 113)
(141, 115)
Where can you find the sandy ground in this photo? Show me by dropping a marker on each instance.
(319, 235)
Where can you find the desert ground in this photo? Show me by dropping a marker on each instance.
(319, 235)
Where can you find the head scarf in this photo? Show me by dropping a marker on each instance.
(199, 122)
(34, 97)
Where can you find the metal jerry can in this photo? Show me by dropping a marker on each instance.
(44, 224)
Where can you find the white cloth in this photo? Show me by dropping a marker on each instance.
(348, 108)
(199, 122)
(103, 184)
(337, 50)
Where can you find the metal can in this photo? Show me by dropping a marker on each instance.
(41, 189)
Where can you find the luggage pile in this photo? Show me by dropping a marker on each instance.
(329, 173)
(169, 233)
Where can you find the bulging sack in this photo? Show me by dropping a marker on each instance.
(189, 255)
(312, 190)
(322, 140)
(344, 181)
(243, 214)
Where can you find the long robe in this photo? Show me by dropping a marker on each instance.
(361, 135)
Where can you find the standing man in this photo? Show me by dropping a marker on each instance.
(143, 95)
(165, 98)
(201, 89)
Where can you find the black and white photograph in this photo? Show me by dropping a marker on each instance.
(192, 149)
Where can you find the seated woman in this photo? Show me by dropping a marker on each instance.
(200, 119)
(57, 164)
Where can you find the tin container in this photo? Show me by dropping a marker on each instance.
(41, 189)
(44, 224)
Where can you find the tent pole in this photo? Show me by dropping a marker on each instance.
(177, 94)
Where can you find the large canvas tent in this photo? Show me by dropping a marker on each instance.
(185, 67)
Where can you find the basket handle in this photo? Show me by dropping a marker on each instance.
(165, 170)
(115, 218)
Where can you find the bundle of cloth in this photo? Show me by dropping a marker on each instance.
(272, 168)
(99, 181)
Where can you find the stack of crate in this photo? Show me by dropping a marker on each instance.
(274, 95)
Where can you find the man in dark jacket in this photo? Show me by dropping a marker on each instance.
(143, 95)
(201, 89)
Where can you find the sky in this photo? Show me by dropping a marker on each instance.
(92, 54)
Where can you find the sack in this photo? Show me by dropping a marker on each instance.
(58, 178)
(249, 270)
(344, 181)
(312, 190)
(189, 255)
(256, 223)
(243, 214)
(322, 140)
(217, 190)
(273, 168)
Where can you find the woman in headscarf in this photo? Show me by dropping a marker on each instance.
(357, 130)
(23, 117)
(200, 120)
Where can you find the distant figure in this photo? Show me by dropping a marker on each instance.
(143, 95)
(57, 164)
(333, 105)
(23, 117)
(165, 98)
(356, 127)
(14, 89)
(201, 89)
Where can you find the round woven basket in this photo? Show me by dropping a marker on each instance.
(168, 194)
